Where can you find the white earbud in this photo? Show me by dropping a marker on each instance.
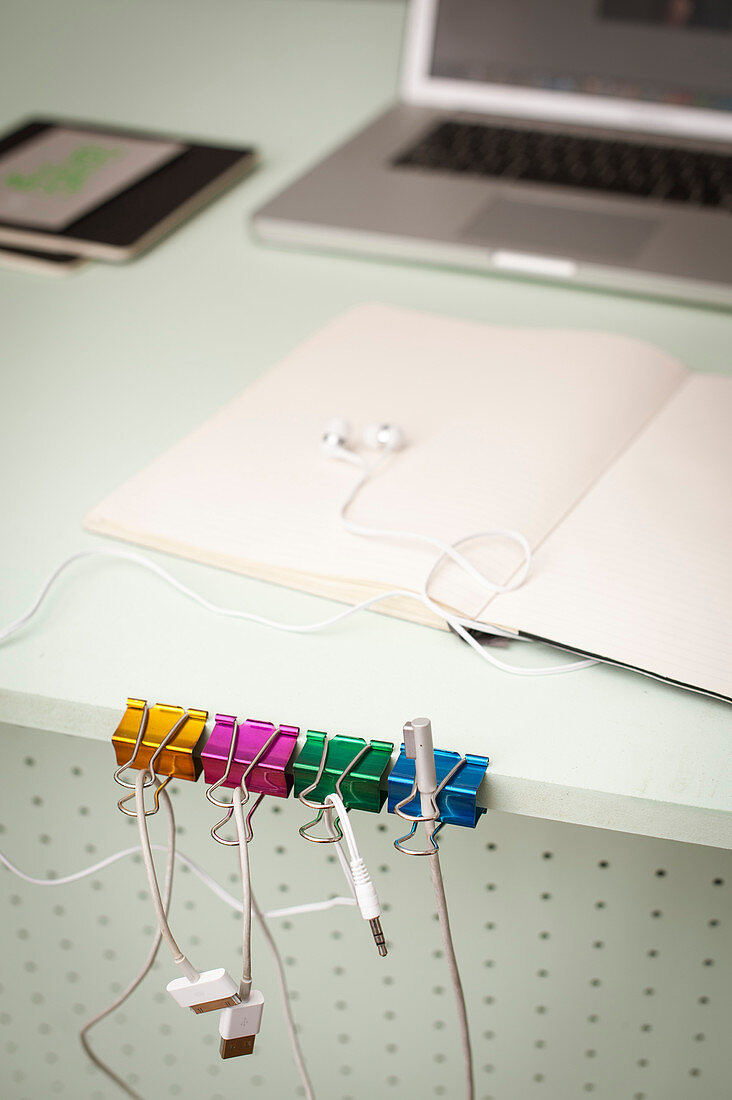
(384, 437)
(336, 437)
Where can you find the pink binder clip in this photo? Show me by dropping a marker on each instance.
(268, 776)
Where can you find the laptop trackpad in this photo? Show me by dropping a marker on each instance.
(561, 231)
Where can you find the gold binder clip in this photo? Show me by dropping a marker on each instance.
(162, 739)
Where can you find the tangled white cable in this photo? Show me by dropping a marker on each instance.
(335, 443)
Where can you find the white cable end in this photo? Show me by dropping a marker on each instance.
(366, 896)
(368, 902)
(239, 1026)
(214, 989)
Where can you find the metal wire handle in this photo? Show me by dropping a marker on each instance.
(150, 769)
(304, 830)
(399, 842)
(245, 792)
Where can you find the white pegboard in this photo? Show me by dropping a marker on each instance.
(594, 962)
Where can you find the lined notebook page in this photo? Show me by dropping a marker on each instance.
(506, 428)
(641, 570)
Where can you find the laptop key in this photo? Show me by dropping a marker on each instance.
(628, 168)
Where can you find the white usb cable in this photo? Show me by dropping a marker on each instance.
(173, 855)
(200, 992)
(179, 958)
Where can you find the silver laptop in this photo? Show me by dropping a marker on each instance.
(576, 140)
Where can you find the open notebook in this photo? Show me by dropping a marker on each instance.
(612, 459)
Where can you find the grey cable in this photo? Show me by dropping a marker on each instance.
(457, 985)
(289, 1021)
(146, 967)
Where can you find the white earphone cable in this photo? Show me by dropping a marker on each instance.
(293, 628)
(447, 550)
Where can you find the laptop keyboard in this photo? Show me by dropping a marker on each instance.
(628, 168)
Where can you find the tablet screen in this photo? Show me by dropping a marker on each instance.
(49, 181)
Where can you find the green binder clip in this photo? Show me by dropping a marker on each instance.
(348, 765)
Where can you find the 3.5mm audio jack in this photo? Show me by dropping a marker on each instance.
(377, 933)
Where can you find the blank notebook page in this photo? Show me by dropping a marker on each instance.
(506, 428)
(641, 570)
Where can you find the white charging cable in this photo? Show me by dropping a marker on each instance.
(174, 855)
(149, 961)
(242, 848)
(181, 961)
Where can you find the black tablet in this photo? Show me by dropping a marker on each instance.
(40, 263)
(105, 193)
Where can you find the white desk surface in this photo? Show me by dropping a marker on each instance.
(103, 370)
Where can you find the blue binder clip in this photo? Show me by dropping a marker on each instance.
(456, 798)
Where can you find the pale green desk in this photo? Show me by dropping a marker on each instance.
(100, 373)
(105, 369)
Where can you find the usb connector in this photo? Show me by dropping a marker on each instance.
(238, 1026)
(214, 989)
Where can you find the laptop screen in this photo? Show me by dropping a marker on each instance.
(676, 52)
